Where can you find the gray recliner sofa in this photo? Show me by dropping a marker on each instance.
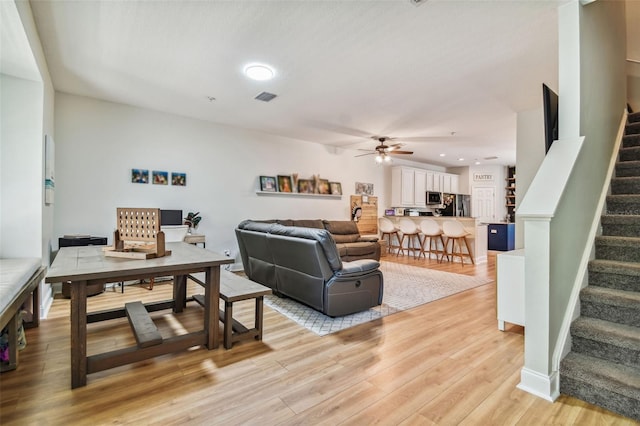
(304, 264)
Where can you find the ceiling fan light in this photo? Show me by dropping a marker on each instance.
(379, 159)
(387, 158)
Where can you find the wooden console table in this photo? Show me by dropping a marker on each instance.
(84, 266)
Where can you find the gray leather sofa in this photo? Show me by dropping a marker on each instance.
(304, 264)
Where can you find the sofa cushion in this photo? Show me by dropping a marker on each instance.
(284, 222)
(360, 249)
(343, 231)
(357, 267)
(320, 235)
(308, 223)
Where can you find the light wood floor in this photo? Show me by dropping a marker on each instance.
(441, 363)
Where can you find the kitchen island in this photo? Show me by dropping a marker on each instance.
(477, 230)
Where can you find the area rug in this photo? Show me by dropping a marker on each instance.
(405, 287)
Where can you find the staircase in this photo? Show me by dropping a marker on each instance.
(603, 367)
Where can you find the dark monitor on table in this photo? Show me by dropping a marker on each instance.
(170, 217)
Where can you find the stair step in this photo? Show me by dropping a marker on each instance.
(625, 185)
(603, 383)
(620, 224)
(623, 249)
(627, 168)
(623, 204)
(619, 343)
(608, 304)
(613, 274)
(632, 129)
(629, 154)
(633, 117)
(629, 141)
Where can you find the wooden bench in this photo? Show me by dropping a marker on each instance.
(234, 288)
(19, 278)
(144, 330)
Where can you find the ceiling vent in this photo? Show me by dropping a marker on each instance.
(417, 2)
(265, 97)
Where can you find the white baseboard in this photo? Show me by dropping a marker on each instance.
(540, 385)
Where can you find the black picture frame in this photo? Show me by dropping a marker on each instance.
(268, 184)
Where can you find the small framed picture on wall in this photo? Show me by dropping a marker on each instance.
(268, 184)
(139, 176)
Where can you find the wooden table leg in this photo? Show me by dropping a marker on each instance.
(228, 325)
(179, 292)
(78, 334)
(259, 316)
(212, 306)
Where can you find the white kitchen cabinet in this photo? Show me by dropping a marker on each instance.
(430, 180)
(446, 183)
(455, 184)
(408, 187)
(419, 189)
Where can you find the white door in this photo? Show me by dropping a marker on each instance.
(483, 203)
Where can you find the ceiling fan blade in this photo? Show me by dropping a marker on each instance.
(399, 152)
(362, 155)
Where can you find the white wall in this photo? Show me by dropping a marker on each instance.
(21, 170)
(99, 142)
(26, 113)
(529, 156)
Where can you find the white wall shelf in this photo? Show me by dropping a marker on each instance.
(299, 194)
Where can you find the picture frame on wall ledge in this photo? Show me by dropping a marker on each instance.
(139, 176)
(336, 188)
(305, 186)
(324, 187)
(268, 184)
(284, 183)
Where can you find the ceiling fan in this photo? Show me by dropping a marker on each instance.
(383, 152)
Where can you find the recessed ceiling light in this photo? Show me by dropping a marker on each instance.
(460, 159)
(442, 155)
(477, 163)
(259, 72)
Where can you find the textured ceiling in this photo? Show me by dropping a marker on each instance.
(346, 70)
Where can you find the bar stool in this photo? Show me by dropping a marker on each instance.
(432, 231)
(454, 232)
(410, 230)
(389, 229)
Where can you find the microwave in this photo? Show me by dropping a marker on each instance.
(434, 198)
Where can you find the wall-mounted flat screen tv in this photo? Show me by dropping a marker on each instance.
(550, 105)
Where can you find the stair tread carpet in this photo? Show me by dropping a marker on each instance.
(627, 168)
(629, 141)
(633, 117)
(615, 267)
(620, 335)
(611, 296)
(603, 374)
(632, 129)
(616, 240)
(620, 219)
